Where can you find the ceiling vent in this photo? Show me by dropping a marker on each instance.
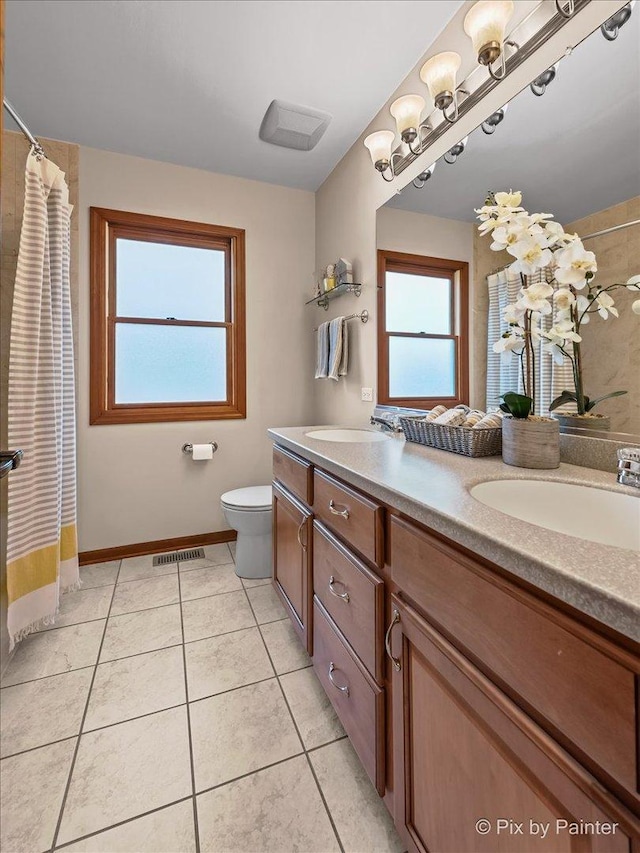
(293, 126)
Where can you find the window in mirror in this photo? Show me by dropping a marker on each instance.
(422, 330)
(167, 309)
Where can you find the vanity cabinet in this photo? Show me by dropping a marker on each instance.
(473, 772)
(292, 544)
(484, 698)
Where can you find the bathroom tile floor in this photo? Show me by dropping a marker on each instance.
(173, 710)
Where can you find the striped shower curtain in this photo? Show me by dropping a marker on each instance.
(503, 372)
(42, 553)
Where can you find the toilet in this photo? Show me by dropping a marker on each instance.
(249, 512)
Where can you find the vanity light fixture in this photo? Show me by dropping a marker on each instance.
(420, 180)
(566, 9)
(489, 125)
(485, 24)
(453, 153)
(407, 112)
(379, 145)
(612, 25)
(439, 74)
(539, 85)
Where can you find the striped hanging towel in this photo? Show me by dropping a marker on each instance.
(42, 552)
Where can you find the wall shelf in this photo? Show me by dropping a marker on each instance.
(323, 300)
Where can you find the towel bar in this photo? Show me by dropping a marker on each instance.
(363, 316)
(188, 448)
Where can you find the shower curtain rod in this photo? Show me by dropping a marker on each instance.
(23, 127)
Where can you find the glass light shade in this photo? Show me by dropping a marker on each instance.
(486, 22)
(407, 111)
(379, 145)
(439, 73)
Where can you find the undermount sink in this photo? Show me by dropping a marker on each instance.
(350, 435)
(597, 515)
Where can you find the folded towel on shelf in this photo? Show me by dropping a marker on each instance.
(322, 351)
(338, 348)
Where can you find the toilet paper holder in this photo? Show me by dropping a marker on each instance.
(188, 448)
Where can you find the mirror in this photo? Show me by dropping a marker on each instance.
(573, 152)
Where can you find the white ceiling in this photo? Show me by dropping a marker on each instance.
(188, 81)
(573, 151)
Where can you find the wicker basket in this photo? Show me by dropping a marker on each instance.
(464, 440)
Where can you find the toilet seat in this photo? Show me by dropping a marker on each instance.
(250, 499)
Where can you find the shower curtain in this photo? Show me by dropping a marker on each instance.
(42, 553)
(503, 372)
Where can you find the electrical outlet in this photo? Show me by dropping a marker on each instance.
(367, 395)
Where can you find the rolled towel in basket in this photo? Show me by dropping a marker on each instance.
(452, 417)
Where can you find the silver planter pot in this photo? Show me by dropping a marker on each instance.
(530, 443)
(568, 419)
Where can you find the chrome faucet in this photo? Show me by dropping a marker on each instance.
(382, 422)
(629, 466)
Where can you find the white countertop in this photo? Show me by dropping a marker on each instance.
(432, 487)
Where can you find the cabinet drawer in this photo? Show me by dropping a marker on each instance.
(294, 473)
(357, 699)
(353, 517)
(352, 595)
(567, 677)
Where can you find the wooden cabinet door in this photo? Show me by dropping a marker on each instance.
(474, 774)
(292, 543)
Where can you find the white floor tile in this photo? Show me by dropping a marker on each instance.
(225, 662)
(218, 614)
(311, 708)
(134, 633)
(135, 686)
(360, 816)
(248, 583)
(211, 580)
(99, 574)
(40, 712)
(169, 830)
(145, 594)
(83, 605)
(266, 604)
(214, 555)
(125, 770)
(276, 810)
(137, 568)
(237, 732)
(284, 646)
(33, 786)
(53, 652)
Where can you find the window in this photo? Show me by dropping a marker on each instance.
(423, 348)
(167, 319)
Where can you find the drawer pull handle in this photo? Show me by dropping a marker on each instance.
(343, 595)
(344, 689)
(387, 641)
(299, 534)
(343, 512)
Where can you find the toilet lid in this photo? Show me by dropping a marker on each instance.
(253, 497)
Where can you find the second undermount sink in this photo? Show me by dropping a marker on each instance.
(348, 435)
(598, 515)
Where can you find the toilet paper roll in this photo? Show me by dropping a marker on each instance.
(202, 451)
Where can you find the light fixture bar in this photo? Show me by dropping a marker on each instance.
(552, 26)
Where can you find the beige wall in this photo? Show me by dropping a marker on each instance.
(422, 234)
(135, 484)
(611, 348)
(15, 150)
(347, 201)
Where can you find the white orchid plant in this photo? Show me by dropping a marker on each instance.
(563, 273)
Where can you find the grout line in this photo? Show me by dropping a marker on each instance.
(123, 822)
(249, 773)
(84, 716)
(304, 747)
(196, 828)
(42, 677)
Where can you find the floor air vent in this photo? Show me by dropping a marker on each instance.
(175, 556)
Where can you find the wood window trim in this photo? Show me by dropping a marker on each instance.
(409, 263)
(105, 226)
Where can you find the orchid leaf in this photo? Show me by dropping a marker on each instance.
(589, 404)
(518, 405)
(565, 397)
